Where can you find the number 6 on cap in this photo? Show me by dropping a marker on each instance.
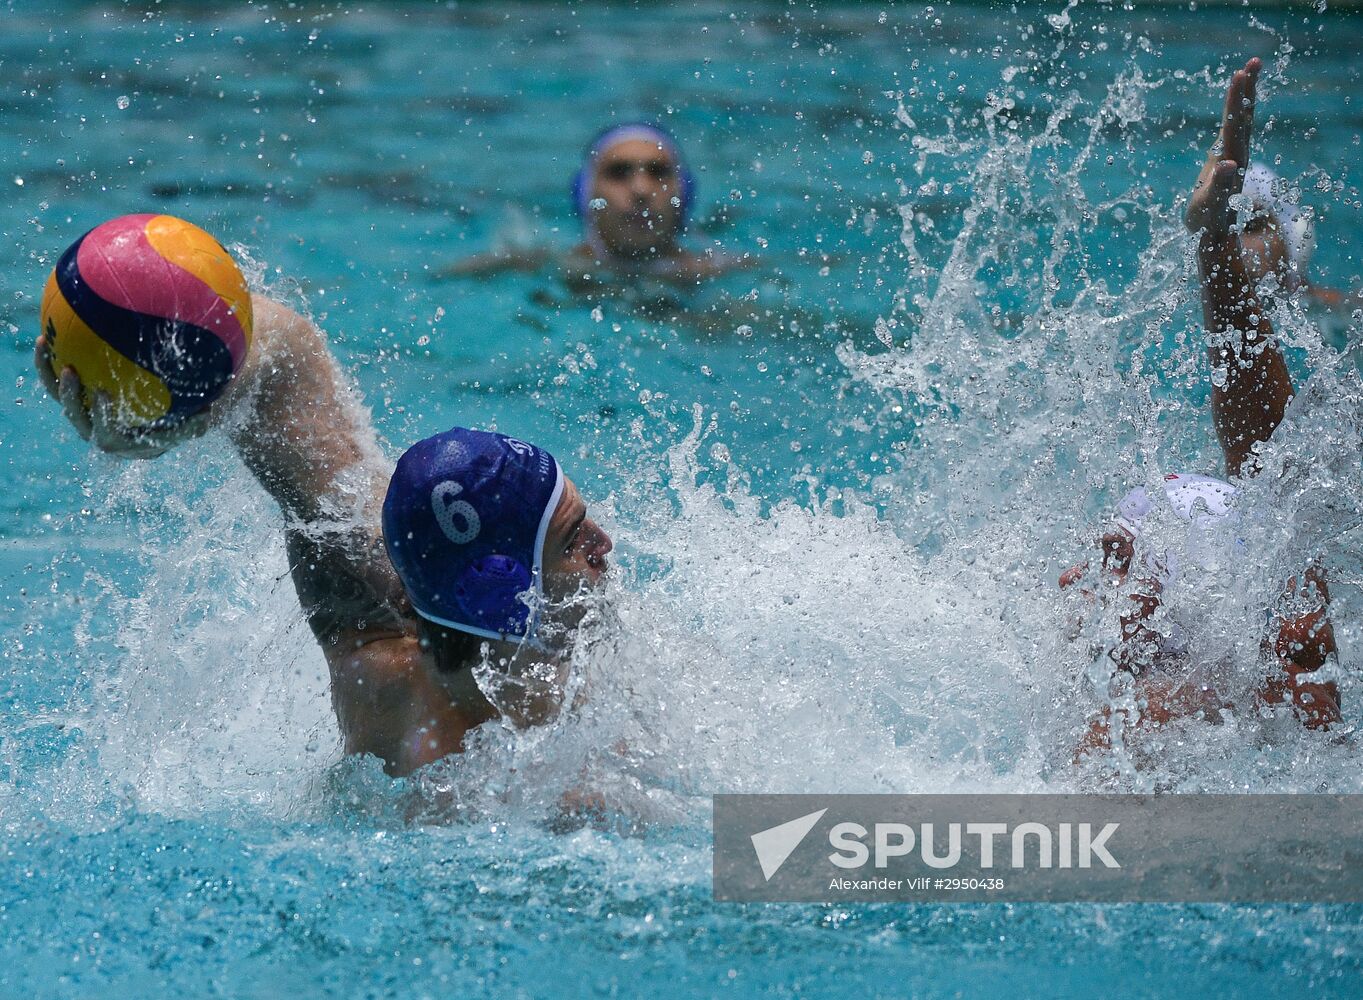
(446, 508)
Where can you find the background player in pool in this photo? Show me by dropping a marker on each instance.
(1279, 240)
(634, 195)
(1245, 410)
(402, 684)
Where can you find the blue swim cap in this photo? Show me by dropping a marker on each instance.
(464, 522)
(582, 180)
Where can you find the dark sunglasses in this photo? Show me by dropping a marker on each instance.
(623, 170)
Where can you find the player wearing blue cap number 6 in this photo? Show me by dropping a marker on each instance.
(488, 541)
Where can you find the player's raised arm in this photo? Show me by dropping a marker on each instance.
(1251, 403)
(311, 445)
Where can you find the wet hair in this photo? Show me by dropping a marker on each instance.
(451, 650)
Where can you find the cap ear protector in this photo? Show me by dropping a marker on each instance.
(490, 585)
(582, 180)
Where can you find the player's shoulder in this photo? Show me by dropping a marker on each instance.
(376, 662)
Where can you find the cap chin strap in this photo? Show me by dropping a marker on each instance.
(529, 639)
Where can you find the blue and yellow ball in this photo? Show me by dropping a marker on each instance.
(151, 310)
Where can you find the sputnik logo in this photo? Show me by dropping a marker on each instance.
(775, 845)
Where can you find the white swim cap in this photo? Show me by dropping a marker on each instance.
(1182, 491)
(1268, 193)
(1201, 502)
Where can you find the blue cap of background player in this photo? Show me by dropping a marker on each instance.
(585, 177)
(464, 522)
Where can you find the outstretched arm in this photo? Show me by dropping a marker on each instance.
(311, 446)
(313, 449)
(289, 416)
(1251, 403)
(491, 262)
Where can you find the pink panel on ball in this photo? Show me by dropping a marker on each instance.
(121, 266)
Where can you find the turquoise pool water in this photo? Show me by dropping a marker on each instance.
(842, 484)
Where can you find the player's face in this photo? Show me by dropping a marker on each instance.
(575, 547)
(638, 182)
